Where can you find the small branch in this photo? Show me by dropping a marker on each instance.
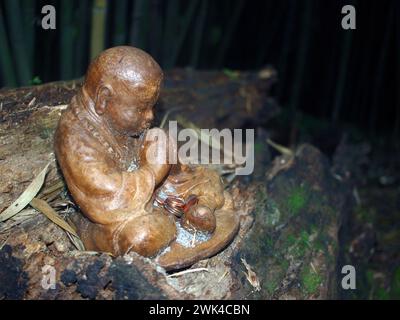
(187, 271)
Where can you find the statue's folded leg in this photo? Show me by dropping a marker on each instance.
(179, 256)
(147, 235)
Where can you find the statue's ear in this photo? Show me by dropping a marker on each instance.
(102, 97)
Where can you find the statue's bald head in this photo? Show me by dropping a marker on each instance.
(123, 84)
(123, 67)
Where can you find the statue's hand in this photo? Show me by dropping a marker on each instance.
(199, 218)
(155, 153)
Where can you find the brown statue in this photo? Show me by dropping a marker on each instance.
(99, 140)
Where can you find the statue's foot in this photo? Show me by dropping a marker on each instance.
(199, 218)
(179, 256)
(146, 235)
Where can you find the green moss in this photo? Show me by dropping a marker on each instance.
(314, 229)
(291, 240)
(261, 199)
(269, 242)
(273, 214)
(397, 276)
(271, 286)
(310, 280)
(46, 133)
(297, 200)
(35, 81)
(370, 277)
(284, 265)
(305, 238)
(231, 74)
(395, 290)
(320, 246)
(299, 245)
(382, 294)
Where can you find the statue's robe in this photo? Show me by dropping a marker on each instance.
(114, 201)
(117, 204)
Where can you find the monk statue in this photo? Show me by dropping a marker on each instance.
(128, 201)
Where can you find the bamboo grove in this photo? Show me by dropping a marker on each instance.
(340, 76)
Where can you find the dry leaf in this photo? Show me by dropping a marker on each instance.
(50, 213)
(76, 241)
(55, 187)
(280, 148)
(251, 276)
(22, 216)
(25, 197)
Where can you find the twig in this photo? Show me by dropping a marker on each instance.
(194, 238)
(223, 276)
(30, 104)
(5, 241)
(187, 271)
(90, 253)
(357, 196)
(280, 148)
(312, 267)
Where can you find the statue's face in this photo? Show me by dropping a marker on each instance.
(130, 110)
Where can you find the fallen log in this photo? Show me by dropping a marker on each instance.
(287, 243)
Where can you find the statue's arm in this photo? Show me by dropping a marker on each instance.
(154, 154)
(104, 188)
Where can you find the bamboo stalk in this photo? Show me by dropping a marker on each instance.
(380, 70)
(396, 130)
(81, 52)
(6, 63)
(341, 82)
(199, 33)
(269, 30)
(67, 40)
(286, 45)
(137, 26)
(370, 57)
(301, 56)
(170, 29)
(97, 40)
(226, 40)
(28, 14)
(155, 29)
(120, 22)
(18, 41)
(329, 66)
(184, 28)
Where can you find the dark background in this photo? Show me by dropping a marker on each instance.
(339, 76)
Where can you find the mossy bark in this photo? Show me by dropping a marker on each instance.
(293, 243)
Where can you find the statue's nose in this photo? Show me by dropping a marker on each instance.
(149, 116)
